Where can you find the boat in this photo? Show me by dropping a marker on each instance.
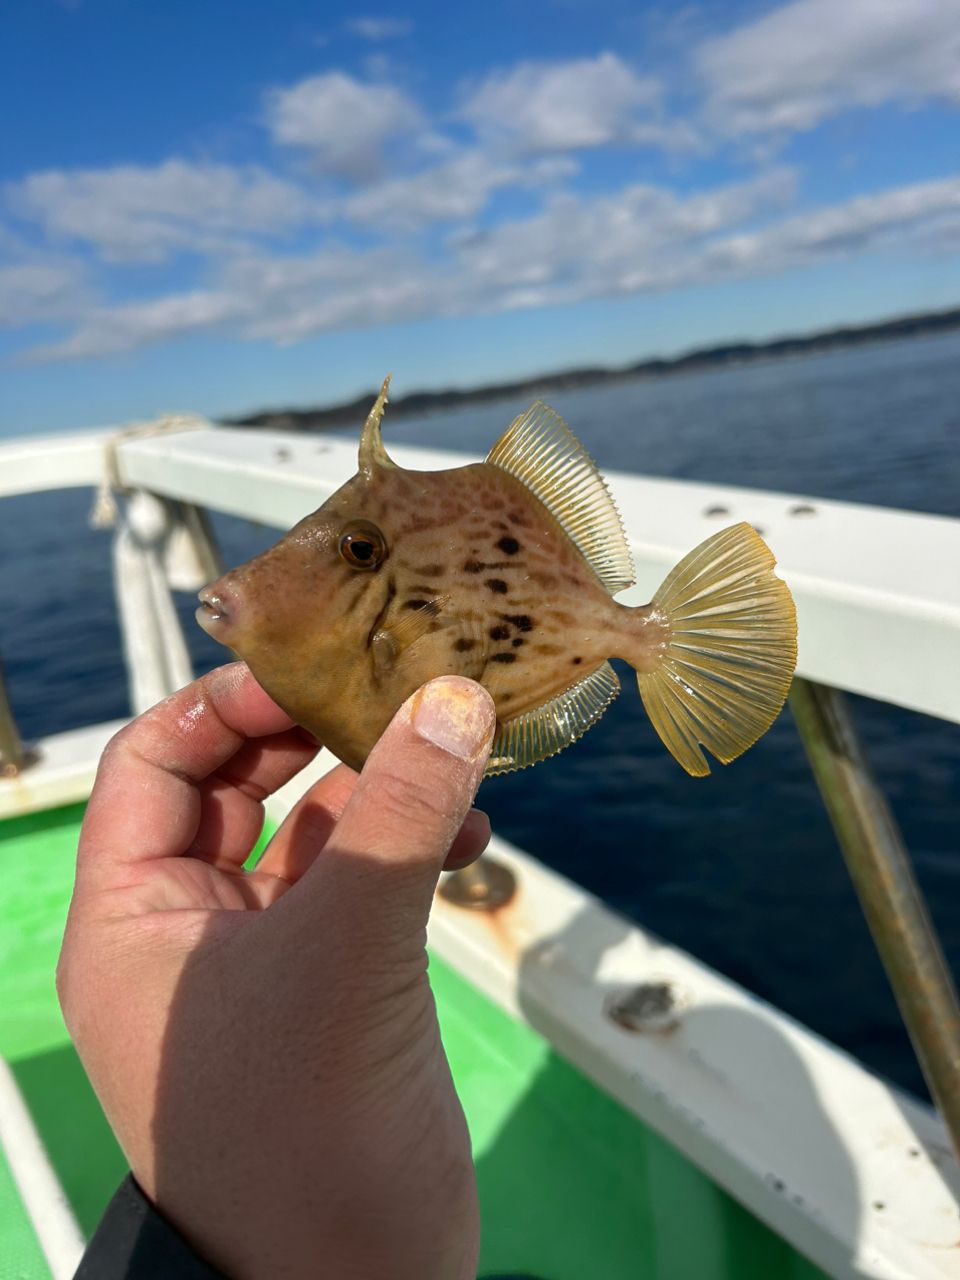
(633, 1113)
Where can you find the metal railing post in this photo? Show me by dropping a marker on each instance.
(882, 875)
(12, 756)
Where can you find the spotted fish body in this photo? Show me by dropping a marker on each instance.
(503, 571)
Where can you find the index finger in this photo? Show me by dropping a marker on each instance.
(145, 803)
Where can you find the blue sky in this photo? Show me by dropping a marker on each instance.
(227, 205)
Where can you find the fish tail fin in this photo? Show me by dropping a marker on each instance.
(729, 651)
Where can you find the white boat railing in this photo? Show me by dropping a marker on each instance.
(877, 590)
(878, 600)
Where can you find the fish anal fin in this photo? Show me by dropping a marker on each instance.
(726, 668)
(535, 735)
(541, 451)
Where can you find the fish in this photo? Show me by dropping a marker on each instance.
(505, 571)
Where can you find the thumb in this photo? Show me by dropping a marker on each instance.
(385, 854)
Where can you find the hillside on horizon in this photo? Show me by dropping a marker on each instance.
(715, 356)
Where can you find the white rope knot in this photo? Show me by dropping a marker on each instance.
(104, 513)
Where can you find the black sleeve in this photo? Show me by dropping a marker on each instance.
(133, 1241)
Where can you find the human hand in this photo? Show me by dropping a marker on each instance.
(265, 1044)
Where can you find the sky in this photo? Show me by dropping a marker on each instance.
(223, 206)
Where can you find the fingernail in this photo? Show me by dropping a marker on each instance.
(454, 714)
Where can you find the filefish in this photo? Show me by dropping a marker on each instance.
(505, 571)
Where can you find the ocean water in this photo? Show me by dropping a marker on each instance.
(742, 868)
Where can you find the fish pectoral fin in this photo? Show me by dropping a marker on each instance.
(547, 729)
(384, 650)
(541, 451)
(391, 642)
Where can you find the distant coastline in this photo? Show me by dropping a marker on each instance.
(732, 353)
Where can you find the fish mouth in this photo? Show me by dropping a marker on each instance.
(214, 613)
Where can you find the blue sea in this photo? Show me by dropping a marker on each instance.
(741, 869)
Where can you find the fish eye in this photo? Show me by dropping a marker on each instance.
(362, 545)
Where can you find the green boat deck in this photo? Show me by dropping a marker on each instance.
(572, 1186)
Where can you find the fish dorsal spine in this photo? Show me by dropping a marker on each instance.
(541, 451)
(372, 452)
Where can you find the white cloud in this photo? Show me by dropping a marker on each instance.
(39, 291)
(643, 239)
(529, 120)
(813, 58)
(133, 213)
(278, 299)
(647, 239)
(340, 289)
(345, 123)
(107, 330)
(927, 212)
(455, 190)
(564, 106)
(375, 29)
(607, 244)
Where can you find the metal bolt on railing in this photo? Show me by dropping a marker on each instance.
(483, 886)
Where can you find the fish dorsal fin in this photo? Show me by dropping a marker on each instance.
(541, 451)
(537, 734)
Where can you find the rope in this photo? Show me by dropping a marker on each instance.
(104, 513)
